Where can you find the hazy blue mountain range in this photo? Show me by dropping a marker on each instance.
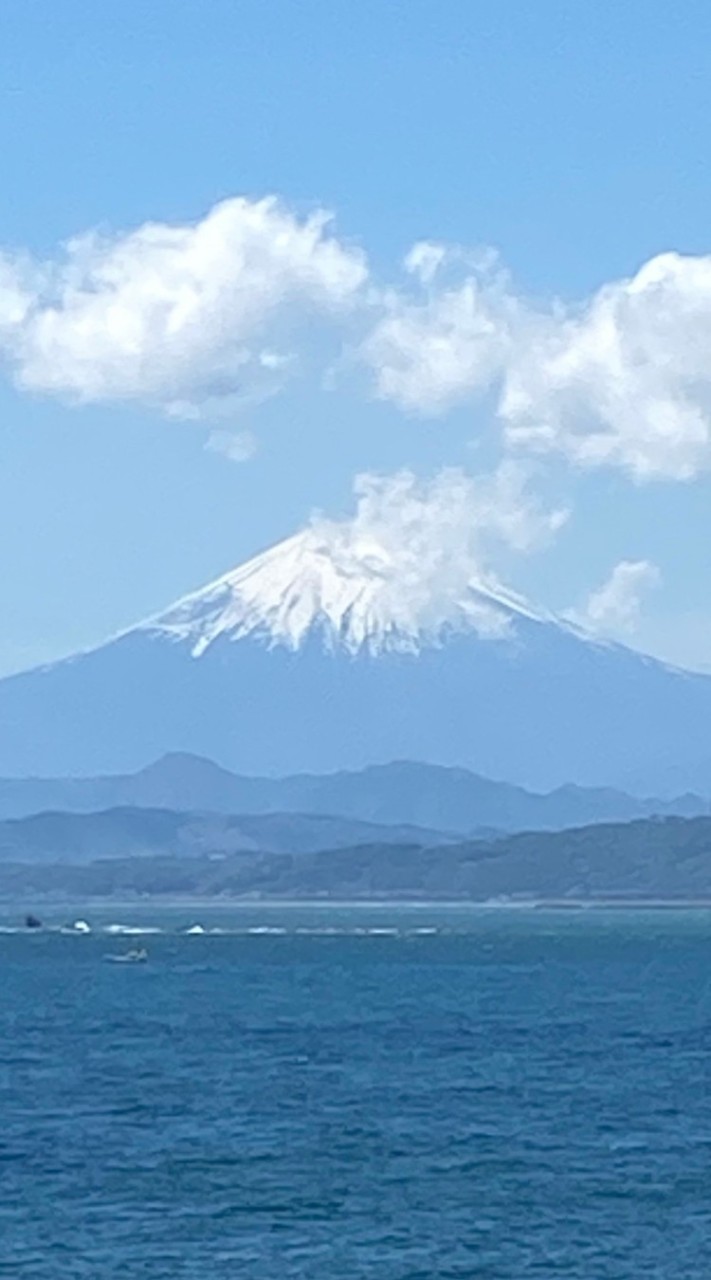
(648, 859)
(129, 833)
(304, 661)
(397, 794)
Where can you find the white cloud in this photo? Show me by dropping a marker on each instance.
(200, 319)
(429, 353)
(18, 281)
(424, 543)
(615, 607)
(236, 446)
(425, 259)
(180, 317)
(623, 379)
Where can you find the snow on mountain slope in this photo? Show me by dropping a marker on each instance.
(353, 594)
(334, 651)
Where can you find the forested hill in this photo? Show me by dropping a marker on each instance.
(648, 859)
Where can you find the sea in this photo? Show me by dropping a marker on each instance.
(326, 1092)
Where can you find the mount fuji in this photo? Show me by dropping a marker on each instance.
(328, 653)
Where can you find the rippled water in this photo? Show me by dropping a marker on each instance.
(368, 1092)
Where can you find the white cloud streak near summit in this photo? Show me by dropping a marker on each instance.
(414, 561)
(428, 542)
(615, 607)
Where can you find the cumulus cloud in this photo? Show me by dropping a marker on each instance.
(621, 379)
(615, 607)
(425, 544)
(626, 379)
(200, 319)
(180, 317)
(430, 351)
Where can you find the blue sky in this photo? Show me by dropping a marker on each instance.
(573, 140)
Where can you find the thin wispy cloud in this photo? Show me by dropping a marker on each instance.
(236, 446)
(425, 543)
(615, 607)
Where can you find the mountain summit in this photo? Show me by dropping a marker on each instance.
(350, 592)
(332, 651)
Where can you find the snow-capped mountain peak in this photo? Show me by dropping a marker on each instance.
(352, 592)
(553, 706)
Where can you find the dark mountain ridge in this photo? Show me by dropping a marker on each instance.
(646, 860)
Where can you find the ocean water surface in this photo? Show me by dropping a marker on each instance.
(323, 1093)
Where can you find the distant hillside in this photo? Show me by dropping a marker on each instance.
(134, 832)
(648, 859)
(431, 796)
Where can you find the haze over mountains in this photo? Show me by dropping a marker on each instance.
(428, 797)
(185, 826)
(54, 837)
(320, 656)
(651, 859)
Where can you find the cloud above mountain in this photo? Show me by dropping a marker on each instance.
(186, 318)
(444, 525)
(423, 545)
(201, 319)
(621, 379)
(450, 338)
(625, 379)
(414, 559)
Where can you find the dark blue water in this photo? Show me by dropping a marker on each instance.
(517, 1094)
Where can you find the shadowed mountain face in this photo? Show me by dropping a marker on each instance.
(319, 657)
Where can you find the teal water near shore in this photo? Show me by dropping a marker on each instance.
(400, 1093)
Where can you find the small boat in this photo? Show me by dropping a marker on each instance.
(129, 957)
(33, 922)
